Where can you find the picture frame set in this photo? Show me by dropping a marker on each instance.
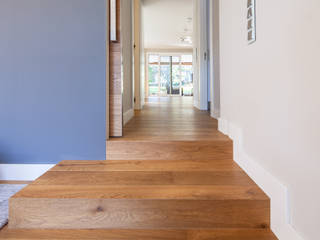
(113, 20)
(251, 21)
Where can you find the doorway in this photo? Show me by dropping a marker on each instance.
(169, 75)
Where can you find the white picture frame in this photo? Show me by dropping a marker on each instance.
(251, 21)
(113, 20)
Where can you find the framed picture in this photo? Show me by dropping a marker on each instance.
(250, 3)
(113, 20)
(251, 21)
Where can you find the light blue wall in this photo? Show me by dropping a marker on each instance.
(52, 80)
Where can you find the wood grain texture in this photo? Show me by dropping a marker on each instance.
(171, 119)
(147, 165)
(153, 192)
(136, 234)
(70, 213)
(170, 177)
(230, 178)
(166, 150)
(115, 83)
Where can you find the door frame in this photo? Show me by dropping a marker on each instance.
(160, 54)
(107, 71)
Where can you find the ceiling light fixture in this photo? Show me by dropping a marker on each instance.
(186, 40)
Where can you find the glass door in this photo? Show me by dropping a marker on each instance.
(165, 75)
(153, 75)
(169, 75)
(176, 76)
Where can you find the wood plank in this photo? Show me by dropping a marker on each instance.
(147, 165)
(235, 178)
(137, 234)
(167, 150)
(66, 213)
(165, 192)
(174, 119)
(231, 234)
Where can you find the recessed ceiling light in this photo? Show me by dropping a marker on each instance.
(186, 39)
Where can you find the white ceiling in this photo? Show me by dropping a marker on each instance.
(165, 22)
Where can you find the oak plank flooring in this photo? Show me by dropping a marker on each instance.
(181, 192)
(172, 176)
(70, 213)
(231, 178)
(166, 150)
(147, 165)
(171, 119)
(126, 234)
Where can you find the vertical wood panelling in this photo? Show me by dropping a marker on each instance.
(115, 114)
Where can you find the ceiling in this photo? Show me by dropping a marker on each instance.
(166, 22)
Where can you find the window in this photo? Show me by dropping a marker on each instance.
(170, 75)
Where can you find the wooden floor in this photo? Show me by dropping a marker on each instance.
(171, 119)
(170, 177)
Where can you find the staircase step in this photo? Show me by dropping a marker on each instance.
(147, 165)
(166, 150)
(231, 178)
(139, 207)
(116, 234)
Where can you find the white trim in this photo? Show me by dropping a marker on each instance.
(278, 193)
(23, 172)
(107, 72)
(127, 116)
(215, 114)
(214, 58)
(203, 55)
(196, 103)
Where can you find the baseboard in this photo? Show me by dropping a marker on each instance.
(127, 116)
(22, 172)
(215, 114)
(196, 104)
(278, 193)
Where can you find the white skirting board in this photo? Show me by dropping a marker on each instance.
(127, 116)
(23, 172)
(278, 193)
(215, 114)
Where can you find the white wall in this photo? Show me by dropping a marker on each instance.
(138, 55)
(195, 39)
(127, 52)
(165, 22)
(270, 89)
(214, 45)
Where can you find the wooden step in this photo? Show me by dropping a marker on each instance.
(147, 165)
(118, 234)
(94, 206)
(230, 178)
(101, 194)
(167, 150)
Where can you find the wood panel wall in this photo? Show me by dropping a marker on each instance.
(115, 82)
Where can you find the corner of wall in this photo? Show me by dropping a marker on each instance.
(127, 116)
(277, 192)
(215, 114)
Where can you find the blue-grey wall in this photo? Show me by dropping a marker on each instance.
(52, 80)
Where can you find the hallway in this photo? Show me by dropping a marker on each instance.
(174, 119)
(170, 177)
